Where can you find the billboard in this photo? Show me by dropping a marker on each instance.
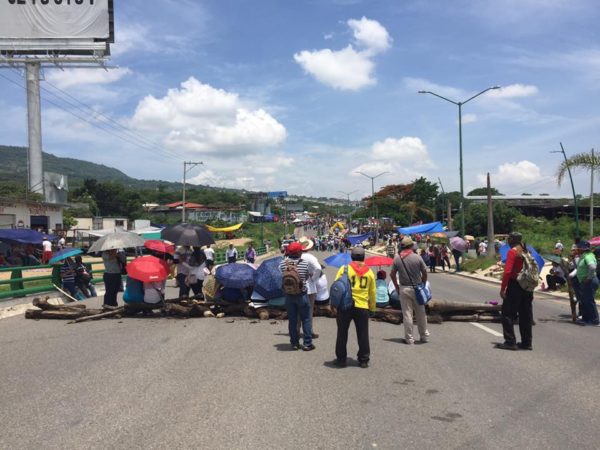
(277, 194)
(63, 26)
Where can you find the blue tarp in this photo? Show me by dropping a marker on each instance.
(24, 236)
(358, 238)
(433, 227)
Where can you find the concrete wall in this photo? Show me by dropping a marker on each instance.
(15, 214)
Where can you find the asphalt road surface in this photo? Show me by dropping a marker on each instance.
(233, 383)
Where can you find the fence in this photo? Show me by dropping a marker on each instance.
(20, 285)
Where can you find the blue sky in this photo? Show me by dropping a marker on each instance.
(298, 95)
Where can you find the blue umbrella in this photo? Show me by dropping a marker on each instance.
(267, 278)
(235, 275)
(538, 259)
(64, 253)
(338, 260)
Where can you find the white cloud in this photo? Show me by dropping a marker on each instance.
(348, 69)
(202, 119)
(469, 118)
(514, 91)
(511, 175)
(68, 78)
(421, 84)
(345, 69)
(370, 35)
(406, 150)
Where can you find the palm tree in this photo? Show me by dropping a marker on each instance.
(588, 161)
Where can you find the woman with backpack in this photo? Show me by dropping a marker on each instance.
(517, 299)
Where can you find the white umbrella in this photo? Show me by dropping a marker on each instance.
(113, 241)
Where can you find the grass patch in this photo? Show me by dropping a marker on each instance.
(474, 264)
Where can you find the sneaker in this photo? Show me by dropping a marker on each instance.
(424, 340)
(308, 348)
(507, 346)
(364, 364)
(339, 363)
(296, 347)
(315, 335)
(524, 347)
(409, 341)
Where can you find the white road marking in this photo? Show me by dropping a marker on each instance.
(484, 328)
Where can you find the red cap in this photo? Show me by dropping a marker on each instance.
(294, 247)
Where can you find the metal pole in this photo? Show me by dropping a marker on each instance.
(185, 171)
(577, 233)
(491, 249)
(460, 169)
(34, 128)
(592, 198)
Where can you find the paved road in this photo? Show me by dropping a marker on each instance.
(209, 383)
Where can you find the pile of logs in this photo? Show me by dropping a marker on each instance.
(438, 311)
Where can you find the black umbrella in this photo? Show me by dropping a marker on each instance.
(187, 234)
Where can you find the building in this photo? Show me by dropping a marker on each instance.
(42, 216)
(196, 212)
(547, 206)
(101, 223)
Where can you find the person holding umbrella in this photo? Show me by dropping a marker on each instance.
(111, 277)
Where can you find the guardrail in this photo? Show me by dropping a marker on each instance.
(21, 286)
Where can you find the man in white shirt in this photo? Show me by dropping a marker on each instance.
(209, 252)
(61, 243)
(47, 250)
(231, 254)
(314, 267)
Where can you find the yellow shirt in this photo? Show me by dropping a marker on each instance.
(362, 280)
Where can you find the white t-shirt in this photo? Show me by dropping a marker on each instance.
(210, 254)
(231, 252)
(322, 288)
(200, 271)
(153, 291)
(313, 267)
(47, 245)
(61, 242)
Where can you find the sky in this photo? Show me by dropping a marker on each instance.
(300, 95)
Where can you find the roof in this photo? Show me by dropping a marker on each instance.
(188, 205)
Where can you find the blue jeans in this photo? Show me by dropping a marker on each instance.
(589, 310)
(299, 306)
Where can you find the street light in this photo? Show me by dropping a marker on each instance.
(373, 197)
(192, 164)
(350, 215)
(562, 150)
(460, 104)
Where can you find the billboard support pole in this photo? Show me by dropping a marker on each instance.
(34, 128)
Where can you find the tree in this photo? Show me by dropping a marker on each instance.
(476, 218)
(483, 191)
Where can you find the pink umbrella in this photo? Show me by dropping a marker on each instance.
(459, 244)
(594, 241)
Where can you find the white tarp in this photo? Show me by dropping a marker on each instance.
(54, 19)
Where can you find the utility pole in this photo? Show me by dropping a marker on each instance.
(445, 200)
(373, 200)
(592, 198)
(34, 128)
(562, 150)
(347, 194)
(185, 171)
(491, 249)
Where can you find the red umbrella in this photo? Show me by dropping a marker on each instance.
(595, 241)
(379, 261)
(148, 269)
(160, 246)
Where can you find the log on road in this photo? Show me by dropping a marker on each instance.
(445, 306)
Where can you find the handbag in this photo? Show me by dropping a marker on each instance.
(422, 292)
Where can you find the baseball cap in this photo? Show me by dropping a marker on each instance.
(584, 245)
(357, 252)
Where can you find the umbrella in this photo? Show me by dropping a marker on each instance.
(338, 260)
(553, 258)
(538, 259)
(235, 275)
(459, 244)
(595, 241)
(379, 261)
(267, 278)
(439, 235)
(159, 246)
(468, 237)
(64, 253)
(113, 241)
(187, 234)
(148, 269)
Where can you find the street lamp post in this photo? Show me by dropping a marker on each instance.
(373, 199)
(460, 104)
(185, 171)
(347, 194)
(562, 150)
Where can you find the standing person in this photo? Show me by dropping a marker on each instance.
(296, 301)
(588, 282)
(432, 258)
(314, 267)
(558, 248)
(444, 251)
(209, 252)
(409, 270)
(46, 250)
(183, 270)
(457, 255)
(61, 242)
(250, 255)
(83, 279)
(231, 254)
(390, 249)
(67, 276)
(362, 281)
(111, 277)
(516, 300)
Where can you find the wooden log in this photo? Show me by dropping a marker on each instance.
(174, 309)
(43, 304)
(464, 318)
(54, 314)
(200, 311)
(435, 318)
(112, 313)
(445, 306)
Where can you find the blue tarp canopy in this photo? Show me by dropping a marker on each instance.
(433, 227)
(24, 236)
(358, 238)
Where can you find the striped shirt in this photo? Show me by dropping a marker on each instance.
(67, 272)
(302, 266)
